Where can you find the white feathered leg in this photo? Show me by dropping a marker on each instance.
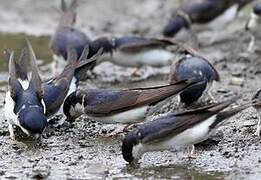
(257, 133)
(251, 45)
(11, 131)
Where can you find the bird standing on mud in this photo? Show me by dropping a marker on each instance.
(193, 66)
(177, 130)
(66, 35)
(253, 26)
(132, 51)
(57, 88)
(119, 106)
(202, 11)
(137, 52)
(24, 105)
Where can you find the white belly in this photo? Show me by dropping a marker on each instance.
(254, 24)
(188, 137)
(128, 117)
(9, 110)
(228, 16)
(154, 58)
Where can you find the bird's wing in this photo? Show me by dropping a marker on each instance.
(175, 123)
(104, 102)
(130, 44)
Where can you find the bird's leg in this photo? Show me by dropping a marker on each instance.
(211, 96)
(136, 72)
(191, 152)
(11, 131)
(208, 93)
(251, 45)
(118, 130)
(257, 133)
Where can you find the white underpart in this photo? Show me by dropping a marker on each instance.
(222, 20)
(72, 87)
(24, 84)
(154, 58)
(128, 117)
(12, 118)
(194, 135)
(44, 106)
(9, 110)
(253, 21)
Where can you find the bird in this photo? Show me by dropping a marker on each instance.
(178, 130)
(202, 11)
(257, 95)
(134, 51)
(127, 106)
(67, 35)
(24, 106)
(59, 87)
(194, 66)
(252, 26)
(137, 52)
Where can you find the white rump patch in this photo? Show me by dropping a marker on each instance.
(24, 83)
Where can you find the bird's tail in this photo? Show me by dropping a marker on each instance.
(85, 63)
(221, 116)
(68, 16)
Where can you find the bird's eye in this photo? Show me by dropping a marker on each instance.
(139, 134)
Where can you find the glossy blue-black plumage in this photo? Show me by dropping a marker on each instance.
(137, 136)
(195, 12)
(68, 36)
(52, 98)
(29, 109)
(257, 9)
(174, 26)
(194, 67)
(33, 119)
(25, 97)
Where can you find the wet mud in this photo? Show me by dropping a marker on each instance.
(79, 150)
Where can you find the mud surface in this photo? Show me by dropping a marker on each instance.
(79, 151)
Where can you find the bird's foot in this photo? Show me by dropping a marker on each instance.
(12, 136)
(190, 153)
(189, 156)
(117, 131)
(257, 133)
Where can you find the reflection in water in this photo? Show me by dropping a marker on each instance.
(171, 172)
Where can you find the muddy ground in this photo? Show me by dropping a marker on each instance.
(79, 151)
